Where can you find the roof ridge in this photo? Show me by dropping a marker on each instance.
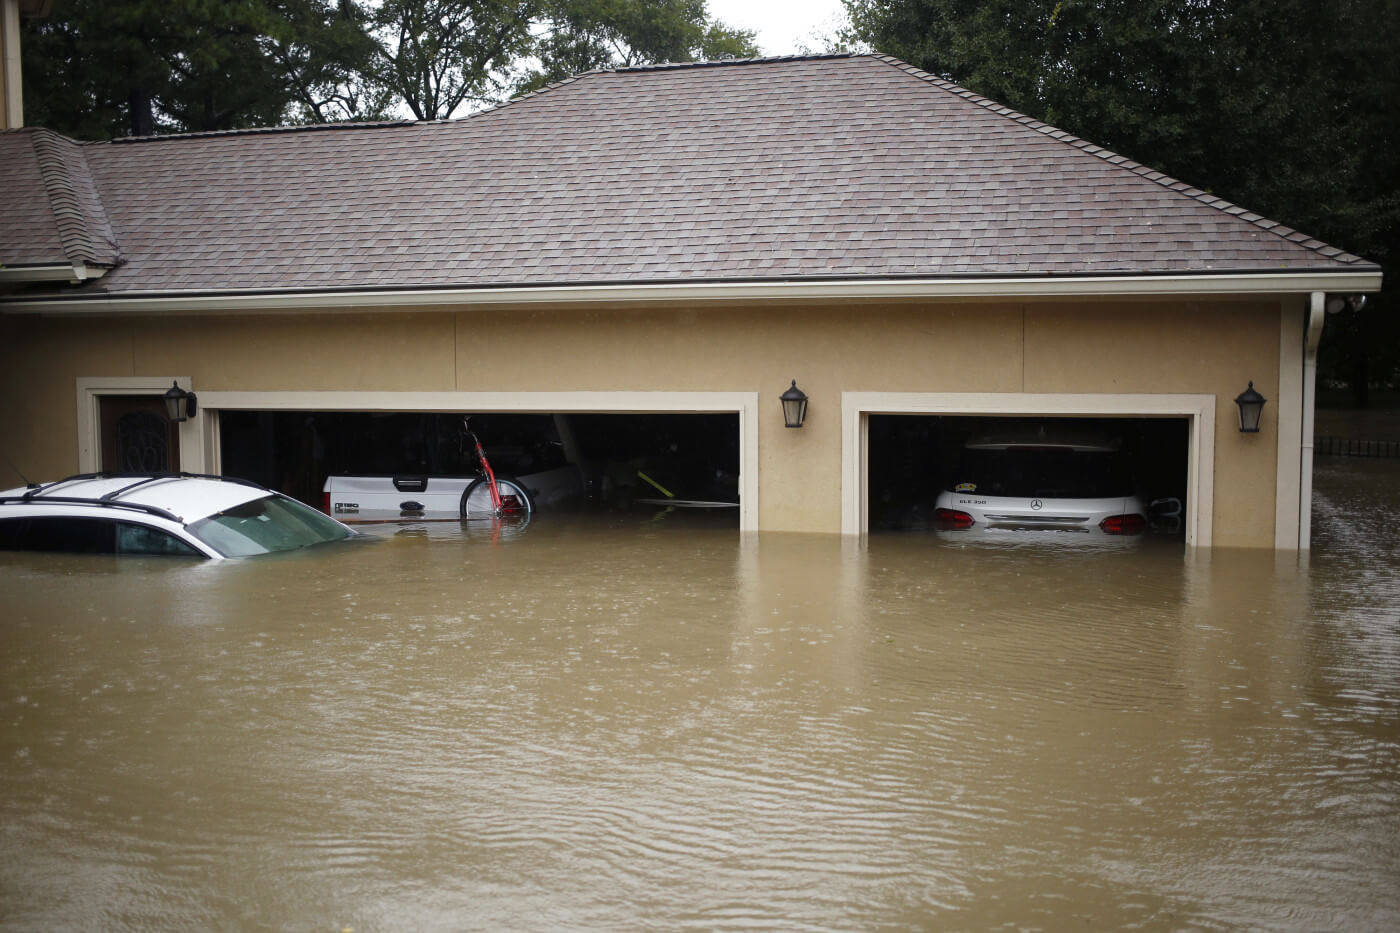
(345, 125)
(1137, 168)
(265, 130)
(62, 182)
(725, 62)
(523, 97)
(657, 66)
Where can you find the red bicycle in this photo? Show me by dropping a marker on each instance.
(490, 495)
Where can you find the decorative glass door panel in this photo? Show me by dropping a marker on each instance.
(137, 437)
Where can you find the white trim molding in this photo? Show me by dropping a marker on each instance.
(743, 404)
(1289, 468)
(90, 390)
(1317, 319)
(1199, 410)
(873, 289)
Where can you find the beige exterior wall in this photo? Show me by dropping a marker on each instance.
(1144, 347)
(1198, 349)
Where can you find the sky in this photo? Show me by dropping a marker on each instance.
(783, 26)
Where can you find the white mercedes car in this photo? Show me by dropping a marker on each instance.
(167, 514)
(1044, 478)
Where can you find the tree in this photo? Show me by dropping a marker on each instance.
(327, 55)
(582, 35)
(75, 77)
(1286, 107)
(95, 69)
(437, 55)
(213, 73)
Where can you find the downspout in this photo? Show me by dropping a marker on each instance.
(11, 88)
(1317, 317)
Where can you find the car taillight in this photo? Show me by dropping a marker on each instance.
(952, 518)
(326, 506)
(1130, 524)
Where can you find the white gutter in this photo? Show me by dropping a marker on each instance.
(83, 272)
(58, 272)
(1205, 285)
(1317, 317)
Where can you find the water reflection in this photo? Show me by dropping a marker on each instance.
(620, 723)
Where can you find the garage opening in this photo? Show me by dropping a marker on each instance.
(1059, 470)
(579, 462)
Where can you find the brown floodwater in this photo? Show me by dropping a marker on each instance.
(612, 723)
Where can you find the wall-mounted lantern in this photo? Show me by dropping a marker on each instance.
(179, 404)
(794, 406)
(1251, 408)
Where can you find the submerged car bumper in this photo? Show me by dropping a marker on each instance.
(1116, 517)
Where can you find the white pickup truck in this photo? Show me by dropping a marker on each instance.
(416, 497)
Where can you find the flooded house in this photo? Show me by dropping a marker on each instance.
(665, 253)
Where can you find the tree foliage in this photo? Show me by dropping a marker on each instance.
(327, 55)
(436, 55)
(582, 35)
(96, 68)
(1287, 107)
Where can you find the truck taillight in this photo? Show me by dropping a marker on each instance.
(1130, 524)
(952, 518)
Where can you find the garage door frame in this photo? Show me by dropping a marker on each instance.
(857, 407)
(205, 456)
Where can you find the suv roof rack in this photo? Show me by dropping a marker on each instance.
(140, 479)
(80, 500)
(112, 499)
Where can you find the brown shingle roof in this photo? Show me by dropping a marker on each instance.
(51, 213)
(817, 167)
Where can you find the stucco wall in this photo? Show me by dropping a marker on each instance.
(1059, 347)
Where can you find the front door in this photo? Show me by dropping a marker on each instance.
(137, 437)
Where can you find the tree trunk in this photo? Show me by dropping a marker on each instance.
(141, 112)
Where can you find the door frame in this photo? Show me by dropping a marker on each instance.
(1199, 410)
(90, 390)
(204, 455)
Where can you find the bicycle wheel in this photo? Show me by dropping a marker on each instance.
(515, 501)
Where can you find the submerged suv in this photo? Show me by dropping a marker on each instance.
(1045, 478)
(171, 514)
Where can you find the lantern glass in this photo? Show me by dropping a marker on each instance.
(179, 404)
(794, 406)
(1251, 405)
(174, 401)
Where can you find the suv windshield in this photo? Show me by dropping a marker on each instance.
(1045, 473)
(269, 524)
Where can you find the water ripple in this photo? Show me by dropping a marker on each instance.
(596, 729)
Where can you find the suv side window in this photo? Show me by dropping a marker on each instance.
(11, 532)
(73, 535)
(58, 534)
(138, 539)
